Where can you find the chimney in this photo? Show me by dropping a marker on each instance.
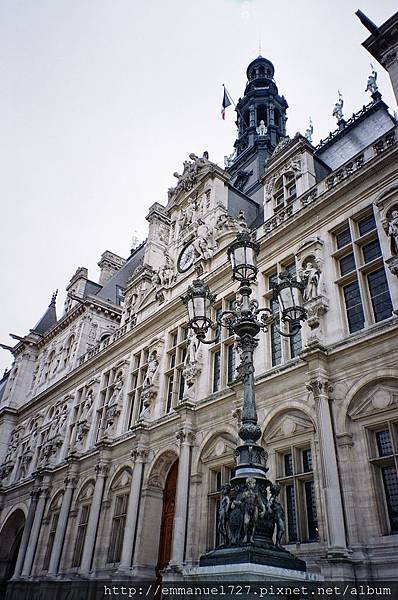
(109, 264)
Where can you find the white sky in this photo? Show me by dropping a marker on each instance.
(102, 100)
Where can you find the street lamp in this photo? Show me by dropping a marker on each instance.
(249, 490)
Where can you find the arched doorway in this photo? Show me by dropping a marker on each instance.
(10, 540)
(166, 529)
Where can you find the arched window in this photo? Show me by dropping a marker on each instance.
(50, 364)
(84, 500)
(217, 461)
(52, 518)
(373, 419)
(290, 438)
(121, 491)
(277, 117)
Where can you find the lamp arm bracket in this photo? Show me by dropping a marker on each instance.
(216, 337)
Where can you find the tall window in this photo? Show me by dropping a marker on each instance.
(285, 190)
(50, 541)
(383, 444)
(81, 535)
(224, 359)
(281, 349)
(295, 476)
(111, 387)
(117, 529)
(360, 272)
(217, 477)
(176, 353)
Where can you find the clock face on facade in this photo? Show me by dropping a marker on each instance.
(186, 258)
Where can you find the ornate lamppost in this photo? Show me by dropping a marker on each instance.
(250, 512)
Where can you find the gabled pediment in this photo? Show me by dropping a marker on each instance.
(380, 397)
(219, 448)
(288, 425)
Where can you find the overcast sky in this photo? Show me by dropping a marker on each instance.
(102, 100)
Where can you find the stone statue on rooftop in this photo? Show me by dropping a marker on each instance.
(309, 131)
(372, 85)
(338, 108)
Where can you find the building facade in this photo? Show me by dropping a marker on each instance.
(118, 429)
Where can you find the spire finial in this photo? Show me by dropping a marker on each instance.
(54, 298)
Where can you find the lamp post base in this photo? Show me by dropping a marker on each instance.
(254, 554)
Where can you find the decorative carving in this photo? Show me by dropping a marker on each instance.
(316, 308)
(204, 242)
(165, 275)
(186, 436)
(278, 514)
(311, 278)
(223, 515)
(189, 176)
(192, 366)
(262, 129)
(319, 387)
(392, 231)
(149, 385)
(114, 406)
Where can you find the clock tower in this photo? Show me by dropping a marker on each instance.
(261, 123)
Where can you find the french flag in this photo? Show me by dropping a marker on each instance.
(226, 101)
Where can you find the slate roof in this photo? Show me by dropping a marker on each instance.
(48, 320)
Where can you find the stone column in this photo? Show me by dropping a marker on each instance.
(101, 470)
(26, 533)
(42, 495)
(139, 455)
(320, 389)
(70, 483)
(186, 439)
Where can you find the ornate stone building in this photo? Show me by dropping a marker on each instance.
(118, 429)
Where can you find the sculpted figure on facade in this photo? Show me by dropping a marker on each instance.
(262, 128)
(114, 406)
(150, 385)
(311, 277)
(392, 231)
(190, 173)
(204, 242)
(164, 276)
(192, 366)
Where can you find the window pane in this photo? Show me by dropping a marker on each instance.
(366, 224)
(383, 441)
(390, 481)
(307, 460)
(380, 295)
(347, 264)
(354, 309)
(291, 513)
(291, 269)
(371, 251)
(343, 238)
(181, 387)
(231, 363)
(311, 510)
(170, 393)
(295, 343)
(276, 343)
(288, 460)
(216, 371)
